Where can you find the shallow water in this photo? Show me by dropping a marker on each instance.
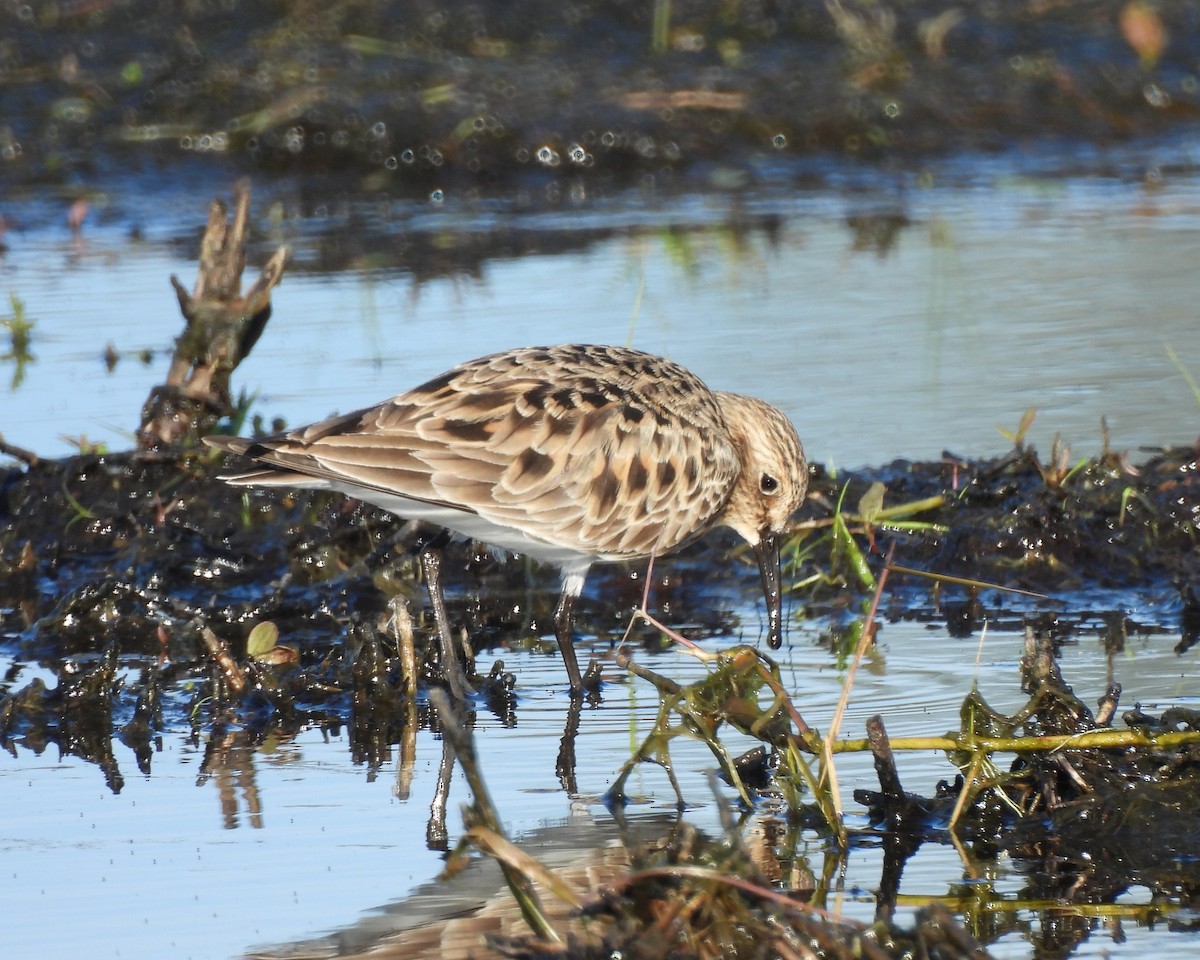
(1063, 296)
(999, 294)
(295, 841)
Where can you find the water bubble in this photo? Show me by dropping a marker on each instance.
(779, 141)
(379, 130)
(892, 110)
(437, 196)
(1156, 96)
(577, 154)
(548, 156)
(407, 157)
(391, 163)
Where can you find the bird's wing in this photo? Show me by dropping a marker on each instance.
(586, 448)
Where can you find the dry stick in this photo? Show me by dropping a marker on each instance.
(28, 457)
(645, 615)
(220, 653)
(459, 738)
(664, 684)
(401, 625)
(827, 768)
(963, 581)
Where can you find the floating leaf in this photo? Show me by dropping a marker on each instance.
(262, 640)
(279, 656)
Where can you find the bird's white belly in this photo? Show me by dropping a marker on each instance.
(466, 523)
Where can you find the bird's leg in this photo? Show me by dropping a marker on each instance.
(564, 620)
(431, 566)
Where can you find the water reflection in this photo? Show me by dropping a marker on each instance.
(886, 324)
(229, 764)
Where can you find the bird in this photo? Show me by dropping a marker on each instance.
(571, 454)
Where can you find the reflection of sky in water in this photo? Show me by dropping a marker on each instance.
(155, 871)
(1061, 297)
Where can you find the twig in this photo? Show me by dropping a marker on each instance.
(28, 457)
(964, 581)
(828, 770)
(234, 675)
(458, 737)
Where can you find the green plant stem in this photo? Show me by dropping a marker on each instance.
(1092, 740)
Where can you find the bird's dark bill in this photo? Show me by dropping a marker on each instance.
(766, 551)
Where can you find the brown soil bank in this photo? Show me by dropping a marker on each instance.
(415, 93)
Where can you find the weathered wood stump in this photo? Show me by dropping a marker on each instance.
(222, 327)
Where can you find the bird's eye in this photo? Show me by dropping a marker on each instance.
(768, 484)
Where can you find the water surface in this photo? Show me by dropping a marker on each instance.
(896, 321)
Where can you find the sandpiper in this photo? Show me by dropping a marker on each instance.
(571, 454)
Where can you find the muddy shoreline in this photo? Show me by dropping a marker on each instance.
(403, 98)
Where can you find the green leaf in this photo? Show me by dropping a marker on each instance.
(262, 640)
(871, 503)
